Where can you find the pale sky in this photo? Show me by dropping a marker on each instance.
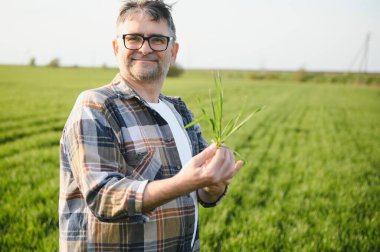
(215, 34)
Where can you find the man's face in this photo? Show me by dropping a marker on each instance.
(144, 64)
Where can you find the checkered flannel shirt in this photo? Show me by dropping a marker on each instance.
(112, 145)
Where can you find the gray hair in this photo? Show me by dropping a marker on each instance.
(157, 9)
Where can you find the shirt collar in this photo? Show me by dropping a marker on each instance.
(122, 89)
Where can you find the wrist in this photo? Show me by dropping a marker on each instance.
(217, 189)
(211, 194)
(184, 184)
(210, 199)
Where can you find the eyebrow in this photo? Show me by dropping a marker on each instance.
(148, 35)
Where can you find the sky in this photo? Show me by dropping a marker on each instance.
(322, 35)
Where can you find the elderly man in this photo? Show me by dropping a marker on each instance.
(131, 175)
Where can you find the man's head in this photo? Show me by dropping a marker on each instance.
(145, 43)
(156, 9)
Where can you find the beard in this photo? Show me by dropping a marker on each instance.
(147, 71)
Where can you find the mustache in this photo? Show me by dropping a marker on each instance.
(147, 57)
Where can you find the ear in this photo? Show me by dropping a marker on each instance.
(115, 46)
(174, 51)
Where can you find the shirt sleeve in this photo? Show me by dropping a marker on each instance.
(96, 163)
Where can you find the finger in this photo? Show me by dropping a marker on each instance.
(236, 167)
(227, 170)
(206, 154)
(221, 164)
(233, 157)
(228, 160)
(219, 158)
(239, 164)
(230, 156)
(231, 161)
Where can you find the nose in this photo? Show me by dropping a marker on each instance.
(145, 48)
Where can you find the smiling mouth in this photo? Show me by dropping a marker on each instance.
(145, 60)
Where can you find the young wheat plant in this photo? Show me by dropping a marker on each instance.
(215, 120)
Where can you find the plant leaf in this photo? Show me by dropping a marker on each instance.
(228, 127)
(241, 124)
(239, 156)
(219, 93)
(214, 117)
(195, 122)
(212, 122)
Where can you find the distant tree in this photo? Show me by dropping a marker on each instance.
(301, 75)
(257, 75)
(175, 71)
(54, 63)
(32, 62)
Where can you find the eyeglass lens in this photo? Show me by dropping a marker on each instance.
(156, 43)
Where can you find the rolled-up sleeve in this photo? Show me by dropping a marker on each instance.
(97, 164)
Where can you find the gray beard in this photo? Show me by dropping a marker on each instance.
(149, 76)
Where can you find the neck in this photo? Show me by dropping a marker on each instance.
(148, 90)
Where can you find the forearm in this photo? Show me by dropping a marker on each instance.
(207, 173)
(159, 192)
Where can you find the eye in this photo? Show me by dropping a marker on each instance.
(130, 38)
(158, 40)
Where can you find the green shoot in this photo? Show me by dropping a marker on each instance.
(216, 118)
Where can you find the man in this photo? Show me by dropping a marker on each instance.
(131, 175)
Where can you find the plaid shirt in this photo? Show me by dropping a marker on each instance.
(112, 145)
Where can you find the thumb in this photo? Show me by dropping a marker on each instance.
(206, 154)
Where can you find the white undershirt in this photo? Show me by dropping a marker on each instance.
(182, 143)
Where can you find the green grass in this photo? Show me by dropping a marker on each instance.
(312, 182)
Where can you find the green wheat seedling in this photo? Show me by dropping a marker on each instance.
(221, 132)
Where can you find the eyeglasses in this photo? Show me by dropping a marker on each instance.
(157, 43)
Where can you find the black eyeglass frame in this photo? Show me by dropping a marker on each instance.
(168, 39)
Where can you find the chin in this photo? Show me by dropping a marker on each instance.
(147, 76)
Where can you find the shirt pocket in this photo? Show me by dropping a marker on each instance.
(138, 161)
(141, 151)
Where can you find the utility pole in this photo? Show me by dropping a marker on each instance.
(364, 63)
(363, 55)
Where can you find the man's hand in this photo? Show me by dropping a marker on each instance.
(209, 172)
(224, 168)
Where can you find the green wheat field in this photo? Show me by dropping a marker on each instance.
(312, 181)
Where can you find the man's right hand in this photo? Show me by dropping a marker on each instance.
(209, 172)
(212, 167)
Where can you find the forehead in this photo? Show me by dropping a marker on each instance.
(143, 23)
